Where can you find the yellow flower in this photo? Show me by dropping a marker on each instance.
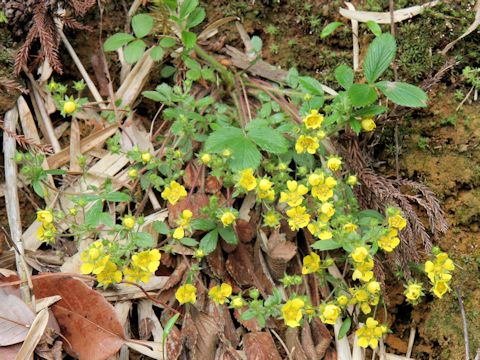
(93, 259)
(445, 262)
(109, 275)
(306, 144)
(368, 124)
(313, 120)
(174, 192)
(390, 241)
(186, 294)
(397, 221)
(136, 275)
(322, 192)
(199, 253)
(148, 260)
(363, 271)
(206, 158)
(237, 302)
(298, 218)
(292, 312)
(226, 153)
(328, 209)
(373, 287)
(294, 196)
(350, 227)
(360, 254)
(369, 334)
(133, 173)
(264, 184)
(413, 292)
(178, 233)
(366, 309)
(330, 314)
(185, 217)
(73, 211)
(271, 219)
(440, 288)
(227, 218)
(311, 264)
(330, 182)
(69, 107)
(352, 180)
(45, 216)
(334, 163)
(46, 232)
(128, 221)
(247, 181)
(342, 300)
(266, 195)
(146, 157)
(220, 293)
(316, 179)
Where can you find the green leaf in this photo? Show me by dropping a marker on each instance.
(196, 17)
(203, 224)
(267, 138)
(257, 43)
(153, 95)
(106, 219)
(374, 28)
(324, 245)
(189, 39)
(371, 214)
(209, 241)
(92, 216)
(117, 41)
(355, 125)
(142, 24)
(244, 155)
(362, 94)
(189, 242)
(248, 315)
(157, 53)
(55, 172)
(310, 85)
(117, 196)
(142, 239)
(292, 78)
(167, 71)
(228, 234)
(168, 328)
(330, 28)
(344, 328)
(167, 42)
(194, 74)
(371, 110)
(161, 227)
(403, 94)
(191, 64)
(220, 139)
(134, 51)
(187, 7)
(38, 188)
(380, 55)
(344, 76)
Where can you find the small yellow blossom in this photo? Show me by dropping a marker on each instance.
(199, 253)
(128, 221)
(185, 217)
(368, 124)
(359, 254)
(73, 211)
(330, 182)
(46, 232)
(247, 180)
(342, 300)
(292, 312)
(352, 180)
(174, 192)
(334, 163)
(45, 216)
(413, 292)
(330, 313)
(135, 274)
(390, 241)
(205, 159)
(397, 222)
(109, 275)
(328, 209)
(133, 173)
(237, 302)
(366, 308)
(373, 287)
(186, 294)
(313, 120)
(370, 334)
(306, 144)
(265, 184)
(294, 196)
(148, 260)
(227, 218)
(440, 288)
(363, 271)
(322, 192)
(146, 157)
(271, 219)
(178, 233)
(298, 218)
(350, 227)
(220, 293)
(311, 264)
(69, 107)
(93, 259)
(316, 179)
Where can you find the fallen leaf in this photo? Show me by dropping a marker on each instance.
(9, 352)
(294, 345)
(207, 330)
(260, 346)
(85, 317)
(216, 262)
(240, 265)
(194, 203)
(250, 325)
(192, 173)
(244, 230)
(321, 337)
(213, 185)
(34, 335)
(307, 341)
(15, 318)
(148, 323)
(174, 344)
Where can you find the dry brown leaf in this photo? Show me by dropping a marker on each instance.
(148, 323)
(207, 330)
(294, 345)
(213, 185)
(192, 171)
(250, 325)
(260, 346)
(19, 315)
(194, 203)
(174, 344)
(244, 230)
(216, 262)
(240, 265)
(34, 335)
(278, 253)
(176, 276)
(307, 341)
(85, 317)
(321, 337)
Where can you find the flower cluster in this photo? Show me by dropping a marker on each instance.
(370, 334)
(439, 273)
(47, 230)
(308, 142)
(183, 224)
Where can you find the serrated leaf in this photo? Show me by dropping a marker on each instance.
(157, 53)
(268, 139)
(92, 216)
(193, 74)
(374, 28)
(244, 155)
(117, 196)
(203, 224)
(187, 7)
(38, 188)
(189, 242)
(209, 241)
(257, 43)
(142, 239)
(403, 94)
(361, 94)
(196, 17)
(347, 323)
(324, 245)
(220, 139)
(355, 125)
(161, 227)
(330, 28)
(167, 42)
(344, 76)
(380, 55)
(189, 39)
(228, 234)
(116, 41)
(310, 85)
(371, 110)
(153, 95)
(292, 78)
(106, 219)
(142, 24)
(134, 51)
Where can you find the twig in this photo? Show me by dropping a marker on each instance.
(356, 47)
(464, 99)
(280, 340)
(13, 205)
(465, 324)
(411, 341)
(477, 357)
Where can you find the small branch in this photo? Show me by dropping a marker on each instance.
(465, 324)
(411, 341)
